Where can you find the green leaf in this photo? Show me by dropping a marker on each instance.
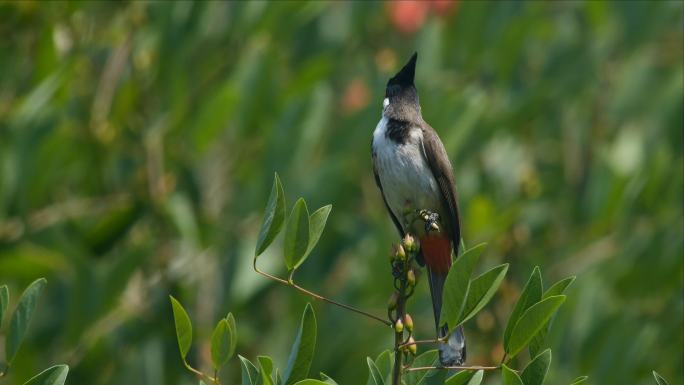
(535, 372)
(384, 364)
(466, 377)
(659, 379)
(296, 235)
(317, 222)
(579, 380)
(273, 218)
(510, 377)
(21, 318)
(250, 374)
(266, 370)
(220, 344)
(539, 339)
(326, 379)
(232, 329)
(183, 327)
(481, 291)
(55, 375)
(310, 381)
(531, 294)
(303, 348)
(375, 374)
(531, 322)
(457, 284)
(4, 302)
(428, 358)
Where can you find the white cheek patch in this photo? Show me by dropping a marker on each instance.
(385, 103)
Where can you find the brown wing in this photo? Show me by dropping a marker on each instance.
(389, 210)
(438, 161)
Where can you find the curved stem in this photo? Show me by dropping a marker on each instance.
(199, 374)
(292, 284)
(452, 367)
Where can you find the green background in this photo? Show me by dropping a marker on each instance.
(138, 143)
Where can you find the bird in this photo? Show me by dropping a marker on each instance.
(415, 178)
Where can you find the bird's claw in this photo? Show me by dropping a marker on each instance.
(431, 220)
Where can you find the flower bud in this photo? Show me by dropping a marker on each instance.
(392, 303)
(408, 322)
(398, 253)
(412, 346)
(411, 278)
(399, 326)
(409, 243)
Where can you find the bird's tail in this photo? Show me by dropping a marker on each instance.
(453, 352)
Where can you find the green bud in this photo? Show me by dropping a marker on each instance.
(392, 303)
(399, 253)
(409, 243)
(408, 322)
(412, 347)
(399, 326)
(411, 278)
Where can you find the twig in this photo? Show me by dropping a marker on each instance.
(215, 380)
(292, 284)
(418, 342)
(452, 367)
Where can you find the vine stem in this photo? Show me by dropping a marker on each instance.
(290, 282)
(415, 369)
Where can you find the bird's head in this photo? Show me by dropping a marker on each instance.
(401, 97)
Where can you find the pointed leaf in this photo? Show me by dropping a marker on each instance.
(510, 377)
(429, 358)
(327, 379)
(375, 375)
(4, 302)
(384, 364)
(232, 329)
(659, 379)
(22, 317)
(273, 217)
(55, 375)
(250, 374)
(220, 344)
(481, 291)
(531, 322)
(466, 377)
(296, 235)
(457, 284)
(531, 294)
(535, 372)
(579, 380)
(266, 370)
(317, 222)
(183, 327)
(303, 348)
(539, 339)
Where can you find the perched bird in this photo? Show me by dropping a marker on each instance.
(416, 180)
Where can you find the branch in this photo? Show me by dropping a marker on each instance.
(201, 375)
(452, 367)
(293, 285)
(418, 342)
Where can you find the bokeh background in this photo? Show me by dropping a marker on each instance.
(138, 142)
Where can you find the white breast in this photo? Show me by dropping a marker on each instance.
(406, 178)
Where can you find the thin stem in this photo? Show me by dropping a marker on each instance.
(503, 359)
(291, 283)
(399, 336)
(418, 342)
(452, 367)
(215, 380)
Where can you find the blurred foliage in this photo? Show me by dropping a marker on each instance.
(138, 142)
